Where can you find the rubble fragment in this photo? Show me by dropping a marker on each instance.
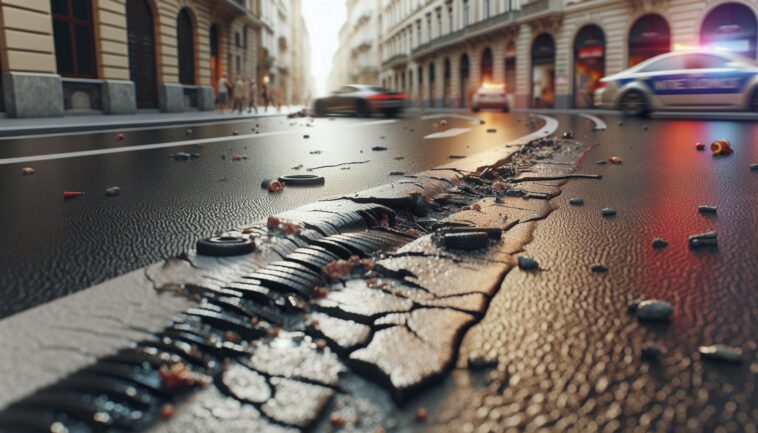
(466, 241)
(608, 211)
(706, 209)
(27, 170)
(721, 147)
(71, 194)
(527, 263)
(599, 268)
(456, 156)
(615, 160)
(700, 146)
(653, 310)
(576, 201)
(181, 156)
(754, 167)
(703, 239)
(378, 148)
(721, 352)
(660, 243)
(651, 351)
(113, 191)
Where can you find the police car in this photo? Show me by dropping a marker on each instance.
(691, 80)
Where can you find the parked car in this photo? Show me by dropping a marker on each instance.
(688, 80)
(490, 96)
(360, 100)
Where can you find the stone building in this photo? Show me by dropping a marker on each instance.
(358, 59)
(120, 56)
(441, 51)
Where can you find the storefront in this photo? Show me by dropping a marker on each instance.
(650, 36)
(542, 89)
(510, 71)
(486, 66)
(730, 27)
(446, 85)
(432, 93)
(589, 64)
(464, 84)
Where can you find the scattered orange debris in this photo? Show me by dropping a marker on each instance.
(615, 160)
(27, 170)
(72, 194)
(721, 147)
(275, 186)
(422, 414)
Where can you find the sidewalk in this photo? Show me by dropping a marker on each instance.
(10, 127)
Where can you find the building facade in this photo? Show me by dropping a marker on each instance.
(548, 53)
(120, 56)
(358, 58)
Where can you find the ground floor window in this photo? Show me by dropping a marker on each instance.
(543, 72)
(74, 38)
(649, 36)
(589, 64)
(730, 27)
(464, 84)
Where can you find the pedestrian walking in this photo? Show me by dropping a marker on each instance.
(251, 95)
(222, 93)
(265, 95)
(537, 94)
(238, 94)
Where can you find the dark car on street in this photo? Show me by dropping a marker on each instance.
(360, 100)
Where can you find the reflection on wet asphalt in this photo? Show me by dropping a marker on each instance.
(50, 247)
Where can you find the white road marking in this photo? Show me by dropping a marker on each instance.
(137, 148)
(599, 123)
(452, 132)
(551, 125)
(450, 116)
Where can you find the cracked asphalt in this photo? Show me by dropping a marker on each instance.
(433, 339)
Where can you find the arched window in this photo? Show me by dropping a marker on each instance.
(543, 72)
(216, 63)
(142, 65)
(486, 67)
(589, 64)
(730, 27)
(649, 36)
(74, 38)
(464, 84)
(185, 36)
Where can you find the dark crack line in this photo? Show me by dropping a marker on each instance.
(562, 177)
(338, 165)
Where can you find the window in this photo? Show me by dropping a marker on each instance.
(74, 38)
(450, 18)
(667, 64)
(486, 9)
(439, 22)
(704, 61)
(465, 13)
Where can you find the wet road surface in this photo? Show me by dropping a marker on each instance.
(50, 247)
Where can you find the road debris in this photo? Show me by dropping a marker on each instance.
(478, 362)
(615, 160)
(399, 158)
(527, 263)
(491, 130)
(721, 352)
(599, 268)
(601, 162)
(235, 132)
(651, 351)
(608, 211)
(297, 167)
(397, 173)
(660, 243)
(576, 201)
(113, 191)
(188, 131)
(620, 123)
(337, 165)
(239, 157)
(315, 152)
(28, 170)
(120, 137)
(644, 127)
(422, 414)
(71, 194)
(181, 156)
(306, 136)
(703, 239)
(706, 209)
(568, 134)
(302, 180)
(754, 167)
(721, 147)
(225, 246)
(700, 146)
(653, 310)
(275, 186)
(378, 148)
(466, 241)
(457, 156)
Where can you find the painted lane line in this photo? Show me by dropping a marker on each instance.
(551, 125)
(471, 119)
(82, 153)
(452, 132)
(599, 123)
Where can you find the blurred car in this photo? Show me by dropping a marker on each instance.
(360, 100)
(490, 96)
(689, 80)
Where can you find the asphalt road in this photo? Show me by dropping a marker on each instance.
(50, 247)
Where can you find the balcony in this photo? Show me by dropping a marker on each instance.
(228, 9)
(396, 60)
(528, 11)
